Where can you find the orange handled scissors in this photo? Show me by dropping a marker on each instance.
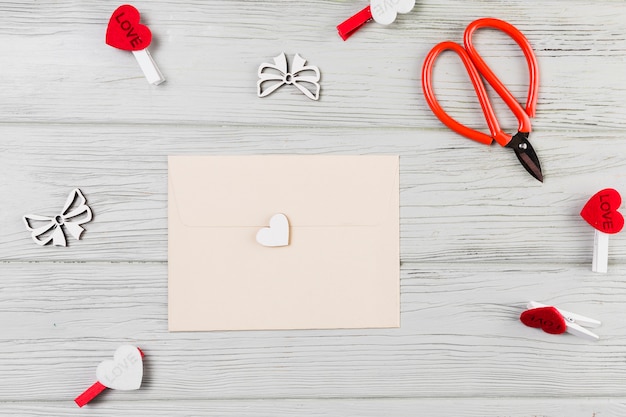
(477, 67)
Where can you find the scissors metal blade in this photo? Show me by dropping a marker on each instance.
(526, 154)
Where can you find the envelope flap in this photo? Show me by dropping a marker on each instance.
(311, 190)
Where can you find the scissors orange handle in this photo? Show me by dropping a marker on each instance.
(476, 67)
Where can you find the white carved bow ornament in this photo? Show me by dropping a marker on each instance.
(278, 74)
(45, 229)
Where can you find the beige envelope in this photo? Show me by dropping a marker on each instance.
(341, 268)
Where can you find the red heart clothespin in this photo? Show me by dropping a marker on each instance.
(382, 11)
(601, 212)
(125, 32)
(124, 373)
(554, 320)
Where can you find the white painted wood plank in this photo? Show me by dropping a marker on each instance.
(462, 407)
(209, 53)
(479, 237)
(460, 337)
(460, 200)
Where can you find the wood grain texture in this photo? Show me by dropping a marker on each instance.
(479, 236)
(460, 337)
(459, 200)
(539, 407)
(209, 53)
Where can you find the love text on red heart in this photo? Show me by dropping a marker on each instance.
(608, 212)
(547, 319)
(129, 30)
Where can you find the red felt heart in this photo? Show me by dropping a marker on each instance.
(547, 318)
(125, 32)
(601, 211)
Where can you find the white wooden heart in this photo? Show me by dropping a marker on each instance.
(275, 235)
(124, 372)
(385, 11)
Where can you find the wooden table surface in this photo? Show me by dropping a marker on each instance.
(479, 236)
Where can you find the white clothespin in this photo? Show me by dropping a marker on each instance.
(601, 213)
(149, 67)
(600, 260)
(556, 321)
(126, 33)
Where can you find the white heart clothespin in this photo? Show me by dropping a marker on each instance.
(75, 213)
(124, 372)
(277, 234)
(382, 11)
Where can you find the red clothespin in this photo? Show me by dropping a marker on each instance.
(124, 373)
(382, 11)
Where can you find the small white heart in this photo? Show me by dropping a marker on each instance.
(124, 372)
(275, 235)
(385, 11)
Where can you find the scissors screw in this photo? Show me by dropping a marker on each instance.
(523, 146)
